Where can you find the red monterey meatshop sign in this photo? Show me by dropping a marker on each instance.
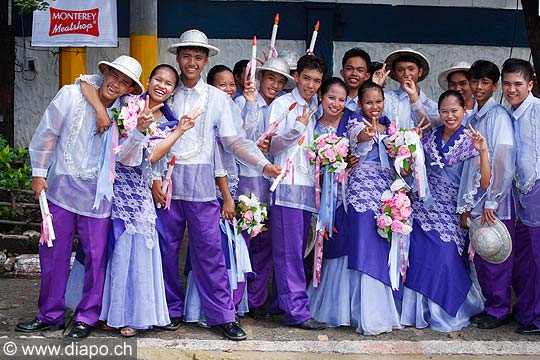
(83, 22)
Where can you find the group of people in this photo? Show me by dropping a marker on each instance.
(194, 146)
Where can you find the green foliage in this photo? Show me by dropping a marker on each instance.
(15, 170)
(27, 6)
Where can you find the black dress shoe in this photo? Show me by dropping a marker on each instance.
(474, 319)
(487, 321)
(231, 331)
(311, 324)
(528, 330)
(79, 331)
(35, 326)
(260, 314)
(173, 325)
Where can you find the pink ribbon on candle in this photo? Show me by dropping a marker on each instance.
(273, 52)
(168, 196)
(44, 230)
(250, 70)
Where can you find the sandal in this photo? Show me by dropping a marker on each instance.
(128, 332)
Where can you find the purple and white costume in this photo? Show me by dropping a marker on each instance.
(194, 200)
(494, 123)
(66, 150)
(355, 287)
(293, 206)
(255, 123)
(438, 290)
(526, 271)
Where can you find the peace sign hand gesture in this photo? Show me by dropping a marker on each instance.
(419, 129)
(146, 117)
(478, 141)
(369, 131)
(188, 121)
(379, 77)
(304, 118)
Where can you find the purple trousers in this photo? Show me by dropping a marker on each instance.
(207, 260)
(526, 275)
(290, 229)
(496, 280)
(55, 262)
(261, 263)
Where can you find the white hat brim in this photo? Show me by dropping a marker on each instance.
(137, 89)
(443, 77)
(290, 80)
(501, 230)
(212, 50)
(403, 52)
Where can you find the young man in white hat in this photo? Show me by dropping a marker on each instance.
(193, 191)
(65, 153)
(457, 77)
(407, 105)
(273, 77)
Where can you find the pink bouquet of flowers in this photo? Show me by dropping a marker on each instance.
(252, 214)
(395, 211)
(329, 149)
(402, 145)
(126, 116)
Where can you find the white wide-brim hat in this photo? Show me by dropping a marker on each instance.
(128, 66)
(193, 38)
(404, 52)
(455, 67)
(279, 66)
(492, 243)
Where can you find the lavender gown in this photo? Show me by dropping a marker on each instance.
(439, 292)
(355, 286)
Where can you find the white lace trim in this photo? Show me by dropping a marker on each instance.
(524, 188)
(73, 133)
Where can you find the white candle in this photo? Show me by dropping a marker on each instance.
(283, 173)
(254, 48)
(314, 37)
(274, 33)
(274, 125)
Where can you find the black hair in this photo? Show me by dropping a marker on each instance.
(406, 58)
(481, 69)
(166, 66)
(211, 77)
(374, 66)
(326, 84)
(311, 62)
(239, 67)
(450, 93)
(366, 86)
(198, 48)
(514, 65)
(356, 52)
(466, 73)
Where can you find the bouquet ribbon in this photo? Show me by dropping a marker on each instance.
(398, 258)
(106, 167)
